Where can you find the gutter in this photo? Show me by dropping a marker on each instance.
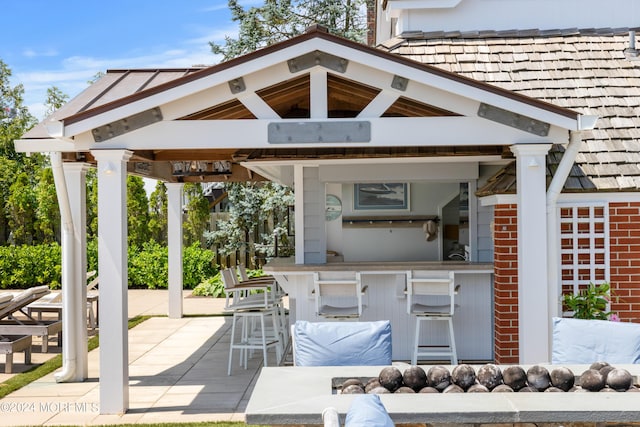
(69, 344)
(553, 193)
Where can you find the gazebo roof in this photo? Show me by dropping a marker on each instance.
(221, 115)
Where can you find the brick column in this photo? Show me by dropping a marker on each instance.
(506, 284)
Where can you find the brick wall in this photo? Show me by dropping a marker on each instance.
(624, 234)
(506, 284)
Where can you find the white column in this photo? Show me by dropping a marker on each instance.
(533, 313)
(75, 177)
(174, 243)
(112, 263)
(298, 185)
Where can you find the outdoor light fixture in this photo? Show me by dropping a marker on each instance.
(109, 168)
(201, 168)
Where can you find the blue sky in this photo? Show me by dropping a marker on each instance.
(64, 43)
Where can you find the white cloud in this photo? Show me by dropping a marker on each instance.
(30, 53)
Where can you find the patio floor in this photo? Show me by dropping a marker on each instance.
(177, 371)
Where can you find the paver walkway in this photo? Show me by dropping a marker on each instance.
(177, 371)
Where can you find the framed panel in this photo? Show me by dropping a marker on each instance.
(381, 196)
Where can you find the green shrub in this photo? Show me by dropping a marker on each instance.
(24, 266)
(590, 303)
(211, 287)
(197, 265)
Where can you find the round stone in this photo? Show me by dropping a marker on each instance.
(390, 378)
(562, 378)
(592, 380)
(538, 377)
(353, 389)
(464, 376)
(414, 377)
(438, 377)
(502, 388)
(515, 377)
(489, 375)
(452, 388)
(619, 379)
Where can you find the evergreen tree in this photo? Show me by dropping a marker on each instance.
(279, 20)
(21, 206)
(137, 211)
(158, 213)
(197, 214)
(47, 213)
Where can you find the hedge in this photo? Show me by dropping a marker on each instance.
(22, 267)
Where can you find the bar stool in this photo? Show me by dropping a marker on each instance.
(430, 297)
(338, 295)
(253, 311)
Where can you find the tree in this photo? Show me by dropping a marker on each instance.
(47, 213)
(55, 99)
(278, 20)
(197, 214)
(250, 206)
(137, 211)
(15, 120)
(22, 205)
(158, 213)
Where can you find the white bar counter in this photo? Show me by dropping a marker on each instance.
(385, 299)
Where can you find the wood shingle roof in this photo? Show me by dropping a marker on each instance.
(584, 70)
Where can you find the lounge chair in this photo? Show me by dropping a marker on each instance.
(10, 344)
(10, 324)
(52, 303)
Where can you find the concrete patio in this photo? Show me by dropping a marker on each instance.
(177, 371)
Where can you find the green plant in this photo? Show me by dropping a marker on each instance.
(590, 302)
(211, 287)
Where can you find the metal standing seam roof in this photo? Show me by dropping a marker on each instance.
(584, 70)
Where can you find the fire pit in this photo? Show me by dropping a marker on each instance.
(298, 395)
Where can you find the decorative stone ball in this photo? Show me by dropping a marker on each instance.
(477, 388)
(378, 390)
(464, 376)
(414, 377)
(528, 389)
(562, 378)
(452, 388)
(438, 377)
(352, 381)
(553, 389)
(605, 371)
(502, 388)
(619, 379)
(428, 390)
(405, 389)
(592, 380)
(390, 378)
(538, 377)
(598, 365)
(515, 377)
(353, 389)
(371, 384)
(489, 375)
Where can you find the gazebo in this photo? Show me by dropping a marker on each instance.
(314, 109)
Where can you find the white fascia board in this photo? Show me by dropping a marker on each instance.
(424, 161)
(415, 131)
(599, 197)
(44, 145)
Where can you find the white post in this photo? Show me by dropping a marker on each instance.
(533, 313)
(112, 263)
(298, 180)
(75, 176)
(174, 243)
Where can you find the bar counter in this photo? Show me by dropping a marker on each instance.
(385, 299)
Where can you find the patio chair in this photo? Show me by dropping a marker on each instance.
(52, 303)
(14, 319)
(10, 344)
